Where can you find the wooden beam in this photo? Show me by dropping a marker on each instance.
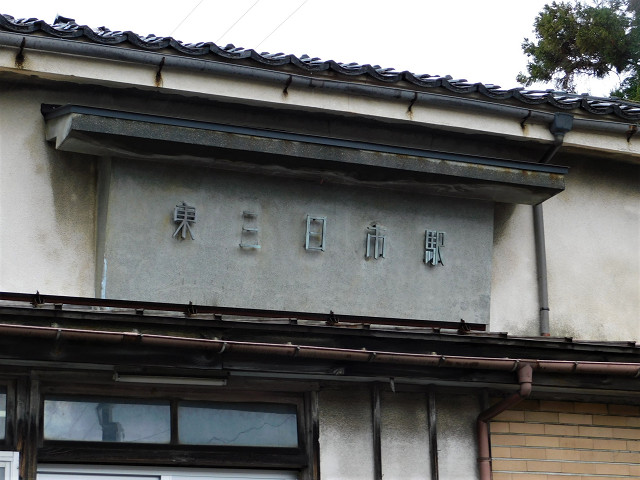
(168, 455)
(312, 436)
(27, 422)
(433, 433)
(22, 404)
(377, 441)
(10, 418)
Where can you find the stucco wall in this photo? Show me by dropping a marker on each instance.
(47, 205)
(593, 248)
(144, 262)
(457, 450)
(592, 234)
(404, 436)
(346, 442)
(514, 294)
(346, 446)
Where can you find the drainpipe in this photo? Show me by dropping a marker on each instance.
(525, 378)
(562, 123)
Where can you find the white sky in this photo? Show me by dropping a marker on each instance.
(472, 39)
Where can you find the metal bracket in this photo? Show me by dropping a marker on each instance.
(159, 73)
(463, 329)
(37, 299)
(413, 102)
(523, 123)
(191, 309)
(20, 55)
(285, 92)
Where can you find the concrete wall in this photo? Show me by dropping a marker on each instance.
(144, 262)
(47, 206)
(593, 257)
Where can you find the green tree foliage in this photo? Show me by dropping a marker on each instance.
(577, 39)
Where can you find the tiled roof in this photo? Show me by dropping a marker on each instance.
(67, 28)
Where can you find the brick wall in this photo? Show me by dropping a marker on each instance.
(548, 440)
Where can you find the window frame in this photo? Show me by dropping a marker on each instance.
(11, 462)
(173, 453)
(9, 389)
(159, 473)
(105, 399)
(4, 391)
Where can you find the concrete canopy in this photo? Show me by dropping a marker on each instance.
(150, 137)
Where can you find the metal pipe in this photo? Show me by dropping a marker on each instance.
(541, 269)
(235, 70)
(561, 125)
(525, 379)
(329, 353)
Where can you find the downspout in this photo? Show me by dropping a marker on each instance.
(525, 379)
(562, 123)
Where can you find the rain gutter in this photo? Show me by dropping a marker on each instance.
(289, 80)
(624, 369)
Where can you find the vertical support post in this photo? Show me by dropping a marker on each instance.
(312, 437)
(377, 441)
(175, 433)
(28, 413)
(22, 411)
(433, 433)
(34, 426)
(10, 418)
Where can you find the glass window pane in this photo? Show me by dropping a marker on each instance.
(1, 473)
(94, 421)
(3, 414)
(238, 424)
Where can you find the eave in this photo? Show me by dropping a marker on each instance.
(62, 338)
